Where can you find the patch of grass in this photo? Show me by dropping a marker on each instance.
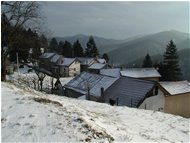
(47, 101)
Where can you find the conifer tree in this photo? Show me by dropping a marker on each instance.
(105, 56)
(172, 71)
(77, 49)
(91, 50)
(53, 45)
(147, 62)
(67, 49)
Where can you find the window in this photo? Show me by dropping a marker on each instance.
(156, 90)
(74, 69)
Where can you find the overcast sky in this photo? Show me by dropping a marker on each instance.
(117, 20)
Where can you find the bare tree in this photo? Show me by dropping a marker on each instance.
(20, 13)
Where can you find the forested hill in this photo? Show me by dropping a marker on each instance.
(132, 50)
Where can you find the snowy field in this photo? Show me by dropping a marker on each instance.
(31, 116)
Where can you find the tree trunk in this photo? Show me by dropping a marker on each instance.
(3, 69)
(41, 83)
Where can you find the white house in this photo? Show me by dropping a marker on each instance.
(171, 97)
(70, 67)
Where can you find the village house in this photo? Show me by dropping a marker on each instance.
(96, 67)
(141, 73)
(121, 91)
(88, 84)
(86, 62)
(129, 92)
(70, 67)
(171, 97)
(57, 65)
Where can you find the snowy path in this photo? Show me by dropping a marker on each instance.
(28, 115)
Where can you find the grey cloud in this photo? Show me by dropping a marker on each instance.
(115, 19)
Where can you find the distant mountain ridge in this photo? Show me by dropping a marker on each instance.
(83, 39)
(131, 51)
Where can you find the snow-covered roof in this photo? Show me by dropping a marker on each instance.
(178, 87)
(67, 61)
(111, 72)
(97, 66)
(128, 91)
(83, 81)
(105, 82)
(140, 72)
(94, 81)
(85, 61)
(56, 58)
(102, 61)
(47, 55)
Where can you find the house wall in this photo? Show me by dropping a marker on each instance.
(74, 68)
(178, 105)
(156, 102)
(152, 78)
(95, 71)
(72, 93)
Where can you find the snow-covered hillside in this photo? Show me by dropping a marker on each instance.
(28, 115)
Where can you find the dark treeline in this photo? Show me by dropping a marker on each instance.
(169, 67)
(75, 49)
(21, 40)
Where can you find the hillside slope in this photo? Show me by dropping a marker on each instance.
(31, 116)
(153, 44)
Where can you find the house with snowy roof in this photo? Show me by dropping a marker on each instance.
(55, 64)
(170, 97)
(70, 67)
(141, 73)
(123, 91)
(85, 62)
(92, 65)
(96, 67)
(88, 84)
(129, 92)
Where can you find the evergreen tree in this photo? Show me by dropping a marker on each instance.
(77, 49)
(172, 71)
(60, 47)
(105, 56)
(53, 45)
(91, 50)
(147, 62)
(67, 49)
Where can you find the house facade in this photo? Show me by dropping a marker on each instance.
(70, 67)
(85, 63)
(59, 66)
(172, 97)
